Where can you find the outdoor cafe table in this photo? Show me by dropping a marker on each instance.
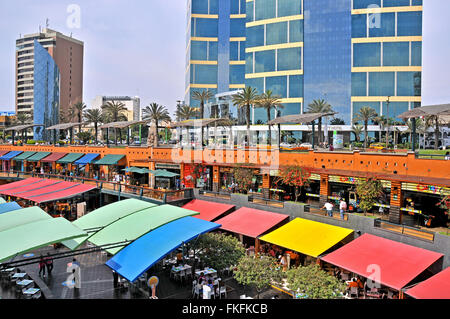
(32, 293)
(180, 268)
(19, 275)
(206, 272)
(25, 283)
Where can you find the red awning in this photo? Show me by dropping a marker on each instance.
(3, 153)
(38, 186)
(68, 193)
(18, 184)
(208, 210)
(53, 157)
(250, 222)
(385, 261)
(56, 186)
(436, 287)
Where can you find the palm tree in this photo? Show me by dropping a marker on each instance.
(357, 129)
(203, 97)
(433, 120)
(114, 112)
(319, 106)
(420, 127)
(78, 109)
(157, 113)
(22, 119)
(94, 116)
(365, 114)
(268, 102)
(244, 99)
(385, 123)
(186, 112)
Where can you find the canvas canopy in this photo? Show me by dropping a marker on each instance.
(436, 287)
(110, 159)
(208, 210)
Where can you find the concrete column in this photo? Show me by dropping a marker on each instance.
(216, 178)
(395, 214)
(324, 189)
(266, 185)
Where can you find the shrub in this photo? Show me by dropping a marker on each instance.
(31, 142)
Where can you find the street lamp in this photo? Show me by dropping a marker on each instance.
(387, 122)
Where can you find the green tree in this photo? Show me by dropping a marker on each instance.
(94, 116)
(203, 97)
(368, 191)
(365, 114)
(244, 99)
(78, 110)
(420, 128)
(294, 175)
(268, 102)
(314, 283)
(337, 121)
(319, 106)
(433, 121)
(243, 177)
(258, 272)
(186, 112)
(114, 112)
(157, 113)
(85, 137)
(22, 119)
(357, 130)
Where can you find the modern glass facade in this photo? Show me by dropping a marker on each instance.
(352, 53)
(215, 53)
(46, 92)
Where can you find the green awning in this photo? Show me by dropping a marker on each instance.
(21, 217)
(24, 156)
(109, 160)
(138, 170)
(163, 173)
(38, 156)
(70, 158)
(31, 236)
(102, 217)
(138, 224)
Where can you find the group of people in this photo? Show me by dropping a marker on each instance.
(328, 206)
(285, 258)
(45, 263)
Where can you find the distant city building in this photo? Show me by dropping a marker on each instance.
(49, 76)
(132, 104)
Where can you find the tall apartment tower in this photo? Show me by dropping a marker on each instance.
(215, 46)
(49, 76)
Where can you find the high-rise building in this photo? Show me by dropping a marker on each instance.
(49, 76)
(132, 104)
(351, 53)
(215, 46)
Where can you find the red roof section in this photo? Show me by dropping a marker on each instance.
(208, 210)
(250, 222)
(53, 157)
(3, 153)
(385, 261)
(436, 287)
(19, 192)
(16, 185)
(76, 190)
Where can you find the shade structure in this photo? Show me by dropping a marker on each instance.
(436, 287)
(86, 159)
(299, 118)
(208, 210)
(307, 237)
(67, 193)
(10, 155)
(21, 217)
(33, 187)
(38, 156)
(104, 216)
(251, 222)
(23, 238)
(70, 158)
(19, 184)
(137, 170)
(24, 156)
(53, 157)
(163, 173)
(132, 261)
(397, 263)
(3, 153)
(109, 159)
(135, 225)
(7, 207)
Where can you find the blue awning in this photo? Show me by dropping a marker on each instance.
(86, 159)
(10, 155)
(7, 207)
(133, 260)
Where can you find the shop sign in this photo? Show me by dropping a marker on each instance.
(429, 189)
(167, 166)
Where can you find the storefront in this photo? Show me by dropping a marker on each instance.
(166, 182)
(311, 193)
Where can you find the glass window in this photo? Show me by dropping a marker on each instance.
(196, 103)
(409, 83)
(200, 6)
(264, 9)
(249, 63)
(237, 28)
(358, 105)
(396, 53)
(265, 61)
(199, 50)
(382, 25)
(291, 109)
(237, 74)
(278, 85)
(213, 50)
(359, 84)
(395, 109)
(243, 6)
(416, 2)
(234, 7)
(381, 83)
(409, 23)
(257, 83)
(242, 50)
(205, 74)
(363, 4)
(295, 86)
(416, 53)
(366, 54)
(296, 31)
(359, 26)
(213, 6)
(395, 3)
(206, 27)
(255, 36)
(276, 33)
(249, 11)
(289, 59)
(289, 7)
(234, 51)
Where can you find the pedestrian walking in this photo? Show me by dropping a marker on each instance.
(49, 264)
(329, 207)
(42, 266)
(342, 207)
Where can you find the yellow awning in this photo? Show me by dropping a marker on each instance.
(307, 237)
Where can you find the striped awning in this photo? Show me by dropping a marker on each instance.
(53, 157)
(10, 155)
(24, 156)
(38, 156)
(70, 158)
(109, 159)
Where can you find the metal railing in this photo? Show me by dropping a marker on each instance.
(259, 199)
(164, 196)
(224, 195)
(404, 230)
(431, 156)
(316, 210)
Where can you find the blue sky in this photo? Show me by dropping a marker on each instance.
(137, 47)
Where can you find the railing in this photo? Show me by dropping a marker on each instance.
(259, 199)
(224, 195)
(431, 156)
(164, 196)
(404, 230)
(316, 210)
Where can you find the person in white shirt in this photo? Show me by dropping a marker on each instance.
(342, 207)
(329, 207)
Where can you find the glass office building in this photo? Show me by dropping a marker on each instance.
(46, 92)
